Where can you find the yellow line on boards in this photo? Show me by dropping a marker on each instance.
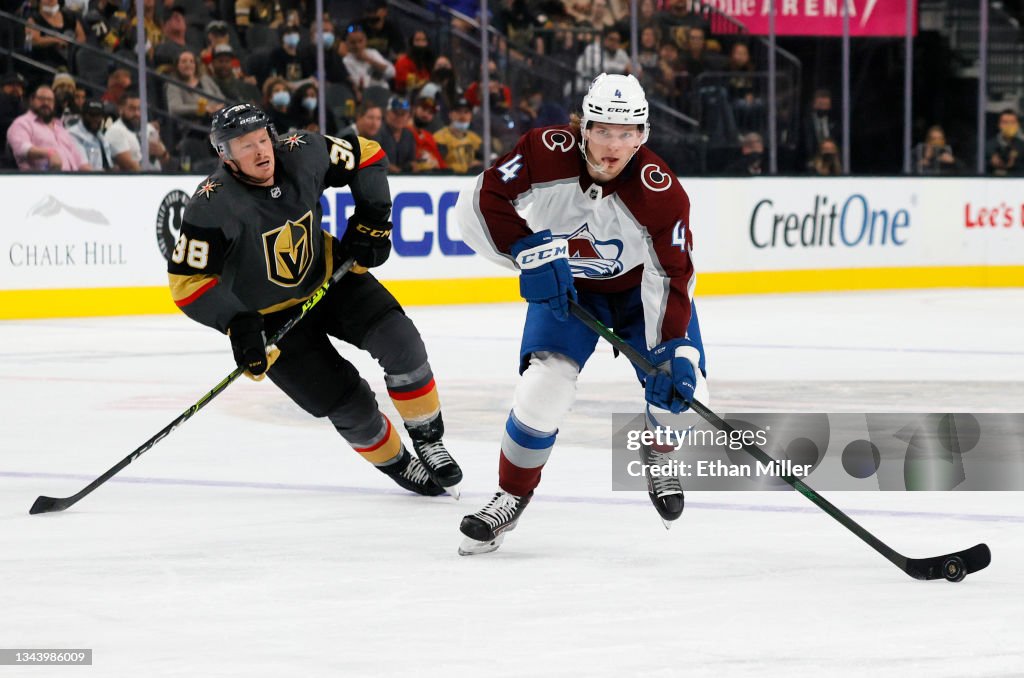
(108, 301)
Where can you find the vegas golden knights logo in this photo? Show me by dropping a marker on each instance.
(289, 251)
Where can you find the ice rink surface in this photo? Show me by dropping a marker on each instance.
(254, 542)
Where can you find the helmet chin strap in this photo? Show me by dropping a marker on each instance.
(232, 166)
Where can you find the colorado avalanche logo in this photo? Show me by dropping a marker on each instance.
(557, 140)
(654, 179)
(592, 258)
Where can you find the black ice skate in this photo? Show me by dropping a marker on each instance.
(666, 492)
(409, 473)
(485, 529)
(426, 440)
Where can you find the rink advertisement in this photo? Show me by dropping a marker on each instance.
(891, 452)
(96, 245)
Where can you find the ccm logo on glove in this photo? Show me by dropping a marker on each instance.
(538, 256)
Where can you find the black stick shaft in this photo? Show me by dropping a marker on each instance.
(828, 507)
(51, 504)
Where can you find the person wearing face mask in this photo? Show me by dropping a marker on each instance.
(286, 61)
(305, 110)
(935, 156)
(443, 75)
(826, 162)
(1004, 151)
(334, 64)
(460, 147)
(64, 99)
(819, 124)
(751, 161)
(412, 69)
(48, 49)
(277, 97)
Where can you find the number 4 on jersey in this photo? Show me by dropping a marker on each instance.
(510, 169)
(679, 236)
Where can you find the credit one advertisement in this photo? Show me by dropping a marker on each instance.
(73, 232)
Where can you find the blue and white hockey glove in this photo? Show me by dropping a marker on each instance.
(545, 276)
(672, 387)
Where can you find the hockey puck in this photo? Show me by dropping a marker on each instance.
(953, 569)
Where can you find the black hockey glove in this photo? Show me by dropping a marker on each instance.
(249, 344)
(369, 245)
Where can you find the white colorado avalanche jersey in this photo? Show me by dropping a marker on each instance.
(633, 230)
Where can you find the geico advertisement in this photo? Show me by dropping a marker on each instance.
(115, 231)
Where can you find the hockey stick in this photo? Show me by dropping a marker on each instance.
(953, 567)
(52, 504)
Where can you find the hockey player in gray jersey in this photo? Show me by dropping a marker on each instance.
(251, 251)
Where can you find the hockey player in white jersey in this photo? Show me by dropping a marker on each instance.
(586, 212)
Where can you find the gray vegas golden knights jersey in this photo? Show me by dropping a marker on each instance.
(252, 248)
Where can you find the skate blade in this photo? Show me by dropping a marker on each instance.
(454, 492)
(472, 547)
(666, 523)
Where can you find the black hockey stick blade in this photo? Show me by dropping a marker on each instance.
(47, 505)
(953, 567)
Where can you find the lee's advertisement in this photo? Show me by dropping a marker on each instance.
(91, 245)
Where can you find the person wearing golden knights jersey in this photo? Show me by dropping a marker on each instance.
(251, 251)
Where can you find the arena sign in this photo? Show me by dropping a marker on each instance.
(823, 18)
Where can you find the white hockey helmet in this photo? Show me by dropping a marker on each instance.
(616, 100)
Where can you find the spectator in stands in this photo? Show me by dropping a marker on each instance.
(174, 43)
(424, 119)
(425, 110)
(460, 147)
(123, 137)
(515, 19)
(89, 136)
(666, 81)
(647, 50)
(154, 36)
(366, 66)
(395, 138)
(697, 59)
(535, 111)
(751, 161)
(1005, 150)
(104, 24)
(334, 62)
(277, 99)
(287, 63)
(501, 95)
(369, 119)
(647, 16)
(820, 123)
(250, 12)
(217, 33)
(934, 156)
(748, 108)
(677, 19)
(381, 33)
(579, 10)
(604, 55)
(39, 141)
(826, 163)
(118, 82)
(601, 16)
(185, 103)
(443, 75)
(12, 101)
(305, 110)
(225, 76)
(412, 69)
(63, 87)
(81, 96)
(50, 50)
